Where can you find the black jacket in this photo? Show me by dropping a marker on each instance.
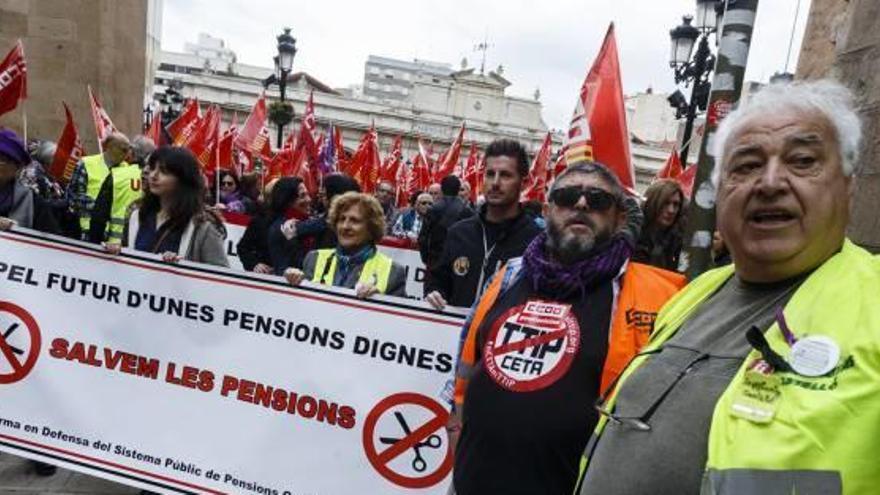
(457, 276)
(253, 247)
(437, 221)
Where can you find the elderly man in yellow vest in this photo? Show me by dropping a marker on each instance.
(761, 377)
(102, 188)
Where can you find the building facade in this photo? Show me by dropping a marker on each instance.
(436, 103)
(70, 44)
(388, 79)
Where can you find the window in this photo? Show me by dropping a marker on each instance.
(404, 91)
(372, 85)
(386, 88)
(389, 76)
(406, 76)
(374, 70)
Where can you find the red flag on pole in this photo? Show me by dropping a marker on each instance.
(185, 124)
(471, 173)
(202, 141)
(366, 162)
(155, 130)
(224, 158)
(686, 179)
(536, 186)
(449, 162)
(103, 125)
(391, 166)
(68, 151)
(254, 135)
(672, 169)
(13, 79)
(598, 127)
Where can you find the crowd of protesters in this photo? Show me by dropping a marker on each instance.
(691, 399)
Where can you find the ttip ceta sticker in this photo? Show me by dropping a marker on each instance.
(531, 346)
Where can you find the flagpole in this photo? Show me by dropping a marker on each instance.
(24, 123)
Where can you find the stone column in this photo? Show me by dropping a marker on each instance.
(843, 41)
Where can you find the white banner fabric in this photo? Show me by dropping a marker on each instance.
(409, 258)
(191, 379)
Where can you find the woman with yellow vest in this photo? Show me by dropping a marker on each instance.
(359, 223)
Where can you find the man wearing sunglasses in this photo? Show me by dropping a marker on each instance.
(551, 331)
(761, 377)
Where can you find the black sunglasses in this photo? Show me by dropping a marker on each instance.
(597, 199)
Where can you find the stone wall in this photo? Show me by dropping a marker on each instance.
(70, 44)
(843, 41)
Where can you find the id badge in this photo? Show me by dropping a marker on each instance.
(757, 397)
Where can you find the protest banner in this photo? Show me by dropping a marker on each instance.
(185, 378)
(408, 257)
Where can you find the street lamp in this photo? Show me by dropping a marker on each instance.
(172, 102)
(282, 114)
(694, 70)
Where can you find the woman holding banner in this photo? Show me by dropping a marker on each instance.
(359, 223)
(171, 218)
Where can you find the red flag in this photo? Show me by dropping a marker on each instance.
(449, 162)
(419, 174)
(185, 124)
(103, 125)
(254, 136)
(672, 169)
(68, 152)
(308, 120)
(598, 127)
(686, 179)
(471, 174)
(391, 166)
(13, 78)
(342, 158)
(223, 158)
(202, 141)
(155, 130)
(366, 162)
(536, 185)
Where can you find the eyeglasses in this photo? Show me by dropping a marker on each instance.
(640, 422)
(597, 199)
(228, 183)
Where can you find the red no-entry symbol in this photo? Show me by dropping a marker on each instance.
(19, 342)
(413, 440)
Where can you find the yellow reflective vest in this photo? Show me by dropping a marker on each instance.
(824, 432)
(376, 271)
(126, 190)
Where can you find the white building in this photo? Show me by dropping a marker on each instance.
(433, 109)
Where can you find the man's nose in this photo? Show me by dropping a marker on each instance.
(774, 177)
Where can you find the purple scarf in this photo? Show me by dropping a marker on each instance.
(563, 281)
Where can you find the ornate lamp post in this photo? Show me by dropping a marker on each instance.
(172, 103)
(694, 70)
(281, 113)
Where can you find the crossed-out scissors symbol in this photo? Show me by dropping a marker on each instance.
(432, 442)
(6, 335)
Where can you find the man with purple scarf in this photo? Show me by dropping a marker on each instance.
(552, 330)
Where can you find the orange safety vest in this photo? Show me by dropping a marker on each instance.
(643, 291)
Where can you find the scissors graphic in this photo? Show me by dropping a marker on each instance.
(432, 442)
(6, 335)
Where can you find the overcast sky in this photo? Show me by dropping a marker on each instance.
(548, 45)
